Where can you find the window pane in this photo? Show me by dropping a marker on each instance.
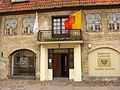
(55, 20)
(89, 27)
(58, 31)
(54, 28)
(64, 19)
(64, 31)
(13, 23)
(96, 18)
(55, 24)
(110, 17)
(7, 23)
(118, 17)
(111, 26)
(97, 26)
(89, 18)
(118, 26)
(55, 31)
(63, 27)
(58, 24)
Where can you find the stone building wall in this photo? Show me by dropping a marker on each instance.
(97, 39)
(10, 44)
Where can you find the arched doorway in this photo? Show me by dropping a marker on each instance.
(22, 63)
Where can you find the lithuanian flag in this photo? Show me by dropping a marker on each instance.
(74, 21)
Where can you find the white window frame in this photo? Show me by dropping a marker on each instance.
(95, 25)
(29, 26)
(10, 29)
(114, 23)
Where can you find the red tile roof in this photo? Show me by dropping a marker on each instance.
(7, 6)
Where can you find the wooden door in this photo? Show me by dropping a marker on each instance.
(64, 65)
(57, 65)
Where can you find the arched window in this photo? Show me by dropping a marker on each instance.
(11, 27)
(28, 24)
(23, 63)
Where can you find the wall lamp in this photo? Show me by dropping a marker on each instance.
(89, 46)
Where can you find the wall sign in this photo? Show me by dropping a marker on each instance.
(104, 62)
(23, 62)
(104, 59)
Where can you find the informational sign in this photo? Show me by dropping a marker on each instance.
(23, 62)
(104, 62)
(104, 59)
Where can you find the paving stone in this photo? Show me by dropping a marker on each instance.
(56, 85)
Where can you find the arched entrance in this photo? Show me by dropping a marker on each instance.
(22, 63)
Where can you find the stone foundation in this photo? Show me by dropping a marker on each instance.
(109, 78)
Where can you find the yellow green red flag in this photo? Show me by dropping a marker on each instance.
(74, 21)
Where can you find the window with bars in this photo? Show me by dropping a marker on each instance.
(28, 24)
(93, 22)
(10, 27)
(114, 21)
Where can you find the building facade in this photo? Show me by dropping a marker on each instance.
(92, 53)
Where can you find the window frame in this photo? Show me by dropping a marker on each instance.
(23, 26)
(61, 33)
(113, 22)
(16, 31)
(21, 52)
(100, 22)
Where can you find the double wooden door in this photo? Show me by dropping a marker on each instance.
(60, 65)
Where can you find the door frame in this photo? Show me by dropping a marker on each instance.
(67, 52)
(46, 72)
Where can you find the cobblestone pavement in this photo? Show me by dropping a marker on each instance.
(51, 85)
